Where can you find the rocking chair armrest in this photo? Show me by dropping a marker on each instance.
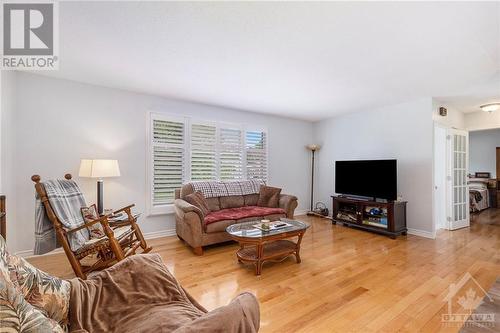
(124, 209)
(103, 220)
(119, 223)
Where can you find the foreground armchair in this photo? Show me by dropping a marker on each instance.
(140, 295)
(136, 295)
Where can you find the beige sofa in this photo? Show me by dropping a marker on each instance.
(198, 230)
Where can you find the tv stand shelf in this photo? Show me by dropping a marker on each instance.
(388, 218)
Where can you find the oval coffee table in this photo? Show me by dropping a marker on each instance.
(258, 246)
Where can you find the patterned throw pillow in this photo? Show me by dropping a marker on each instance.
(269, 196)
(49, 295)
(16, 314)
(198, 199)
(90, 214)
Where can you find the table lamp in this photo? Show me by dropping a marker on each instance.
(99, 169)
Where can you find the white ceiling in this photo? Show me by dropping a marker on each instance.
(297, 59)
(470, 100)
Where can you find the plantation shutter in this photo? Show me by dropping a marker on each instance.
(168, 158)
(203, 152)
(256, 154)
(230, 154)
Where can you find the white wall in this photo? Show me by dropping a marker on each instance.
(454, 118)
(404, 132)
(58, 122)
(7, 110)
(482, 120)
(482, 151)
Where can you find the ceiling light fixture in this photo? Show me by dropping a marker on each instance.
(490, 107)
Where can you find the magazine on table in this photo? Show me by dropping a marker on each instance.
(272, 225)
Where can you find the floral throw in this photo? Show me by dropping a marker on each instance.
(46, 294)
(16, 313)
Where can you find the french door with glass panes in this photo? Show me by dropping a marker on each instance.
(458, 190)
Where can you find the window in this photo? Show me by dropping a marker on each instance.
(256, 149)
(203, 152)
(168, 158)
(230, 153)
(184, 149)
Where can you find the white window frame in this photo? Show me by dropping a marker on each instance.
(188, 121)
(235, 126)
(167, 208)
(197, 121)
(256, 128)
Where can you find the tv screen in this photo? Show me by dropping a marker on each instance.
(367, 178)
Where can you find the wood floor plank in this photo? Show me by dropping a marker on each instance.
(349, 280)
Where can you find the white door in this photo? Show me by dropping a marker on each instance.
(458, 190)
(440, 174)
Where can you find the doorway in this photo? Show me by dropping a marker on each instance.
(451, 165)
(439, 177)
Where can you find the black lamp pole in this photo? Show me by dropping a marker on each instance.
(100, 197)
(313, 149)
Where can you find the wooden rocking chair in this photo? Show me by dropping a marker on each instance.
(121, 239)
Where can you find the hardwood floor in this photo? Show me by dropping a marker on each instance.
(348, 281)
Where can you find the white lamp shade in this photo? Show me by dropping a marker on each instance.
(99, 168)
(313, 147)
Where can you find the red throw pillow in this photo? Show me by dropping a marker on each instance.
(269, 196)
(198, 199)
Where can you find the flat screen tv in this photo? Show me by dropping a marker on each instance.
(367, 178)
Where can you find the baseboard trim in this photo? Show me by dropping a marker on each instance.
(147, 235)
(422, 233)
(158, 234)
(29, 253)
(300, 212)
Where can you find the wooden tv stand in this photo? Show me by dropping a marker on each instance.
(362, 214)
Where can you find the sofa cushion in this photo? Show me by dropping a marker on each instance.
(232, 201)
(251, 199)
(240, 213)
(186, 189)
(219, 226)
(198, 199)
(213, 204)
(274, 217)
(269, 196)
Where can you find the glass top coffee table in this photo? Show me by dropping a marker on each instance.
(258, 246)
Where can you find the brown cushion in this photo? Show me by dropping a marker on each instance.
(269, 196)
(251, 199)
(219, 226)
(241, 213)
(198, 199)
(232, 201)
(213, 204)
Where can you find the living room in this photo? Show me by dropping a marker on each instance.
(269, 98)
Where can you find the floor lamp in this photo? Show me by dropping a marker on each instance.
(313, 148)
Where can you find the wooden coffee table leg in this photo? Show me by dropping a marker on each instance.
(297, 251)
(260, 254)
(242, 246)
(297, 257)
